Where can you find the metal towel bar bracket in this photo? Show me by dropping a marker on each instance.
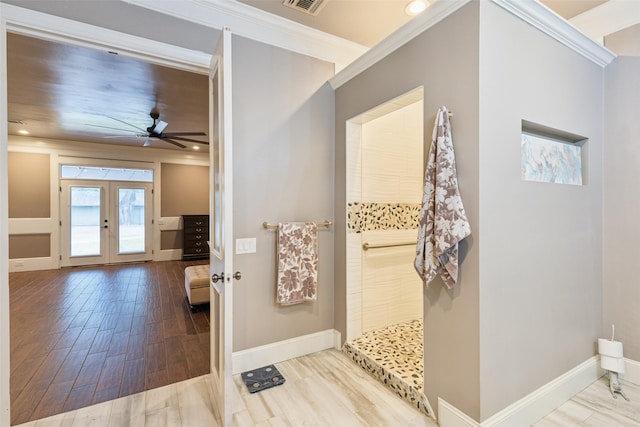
(326, 224)
(367, 246)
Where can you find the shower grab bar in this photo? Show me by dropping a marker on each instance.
(367, 246)
(326, 224)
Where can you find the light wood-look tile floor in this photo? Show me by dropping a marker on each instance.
(321, 389)
(595, 407)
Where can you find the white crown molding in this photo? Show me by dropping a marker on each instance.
(530, 11)
(434, 14)
(259, 25)
(608, 18)
(552, 24)
(55, 28)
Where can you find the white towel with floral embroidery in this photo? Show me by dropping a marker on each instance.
(443, 222)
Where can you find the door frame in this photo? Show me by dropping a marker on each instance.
(53, 28)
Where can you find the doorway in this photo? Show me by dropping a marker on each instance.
(105, 222)
(48, 28)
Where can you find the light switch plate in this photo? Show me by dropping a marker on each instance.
(246, 246)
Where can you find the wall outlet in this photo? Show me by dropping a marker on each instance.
(246, 246)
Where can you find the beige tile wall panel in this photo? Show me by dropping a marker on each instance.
(354, 163)
(354, 285)
(392, 157)
(391, 289)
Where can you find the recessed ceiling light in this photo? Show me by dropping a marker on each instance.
(23, 132)
(195, 147)
(416, 7)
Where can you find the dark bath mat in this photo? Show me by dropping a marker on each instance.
(262, 378)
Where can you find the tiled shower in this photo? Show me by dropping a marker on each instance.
(384, 294)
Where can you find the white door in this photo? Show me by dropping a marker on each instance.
(104, 222)
(221, 216)
(84, 222)
(130, 232)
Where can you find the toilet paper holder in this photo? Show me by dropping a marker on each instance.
(611, 360)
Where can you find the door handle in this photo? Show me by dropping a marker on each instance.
(215, 277)
(237, 275)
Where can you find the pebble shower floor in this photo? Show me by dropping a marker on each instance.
(394, 355)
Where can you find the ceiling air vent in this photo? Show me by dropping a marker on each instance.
(310, 7)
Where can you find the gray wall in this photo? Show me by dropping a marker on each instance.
(621, 299)
(541, 256)
(449, 73)
(283, 171)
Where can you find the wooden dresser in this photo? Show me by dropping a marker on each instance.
(195, 235)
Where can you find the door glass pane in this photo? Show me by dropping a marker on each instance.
(131, 226)
(85, 221)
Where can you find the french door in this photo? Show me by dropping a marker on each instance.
(105, 222)
(221, 214)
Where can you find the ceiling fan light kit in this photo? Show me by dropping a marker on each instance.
(157, 127)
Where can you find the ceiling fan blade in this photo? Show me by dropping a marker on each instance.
(139, 129)
(109, 127)
(171, 134)
(179, 138)
(171, 141)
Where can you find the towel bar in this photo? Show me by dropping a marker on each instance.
(326, 224)
(367, 246)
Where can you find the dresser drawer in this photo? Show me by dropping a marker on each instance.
(196, 229)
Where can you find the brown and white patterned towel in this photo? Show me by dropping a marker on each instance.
(297, 262)
(443, 222)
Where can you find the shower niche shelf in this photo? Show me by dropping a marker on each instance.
(551, 155)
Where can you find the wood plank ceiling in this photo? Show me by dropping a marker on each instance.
(73, 93)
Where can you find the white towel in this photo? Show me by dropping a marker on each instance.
(443, 222)
(297, 262)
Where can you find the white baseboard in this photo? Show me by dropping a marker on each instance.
(632, 371)
(168, 255)
(450, 416)
(535, 405)
(32, 264)
(252, 358)
(337, 340)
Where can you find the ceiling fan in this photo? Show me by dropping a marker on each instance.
(156, 130)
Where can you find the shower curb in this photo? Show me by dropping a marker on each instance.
(393, 381)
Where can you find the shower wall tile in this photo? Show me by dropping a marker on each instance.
(363, 217)
(354, 285)
(384, 179)
(392, 157)
(354, 162)
(391, 289)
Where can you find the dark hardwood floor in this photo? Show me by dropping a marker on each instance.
(81, 336)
